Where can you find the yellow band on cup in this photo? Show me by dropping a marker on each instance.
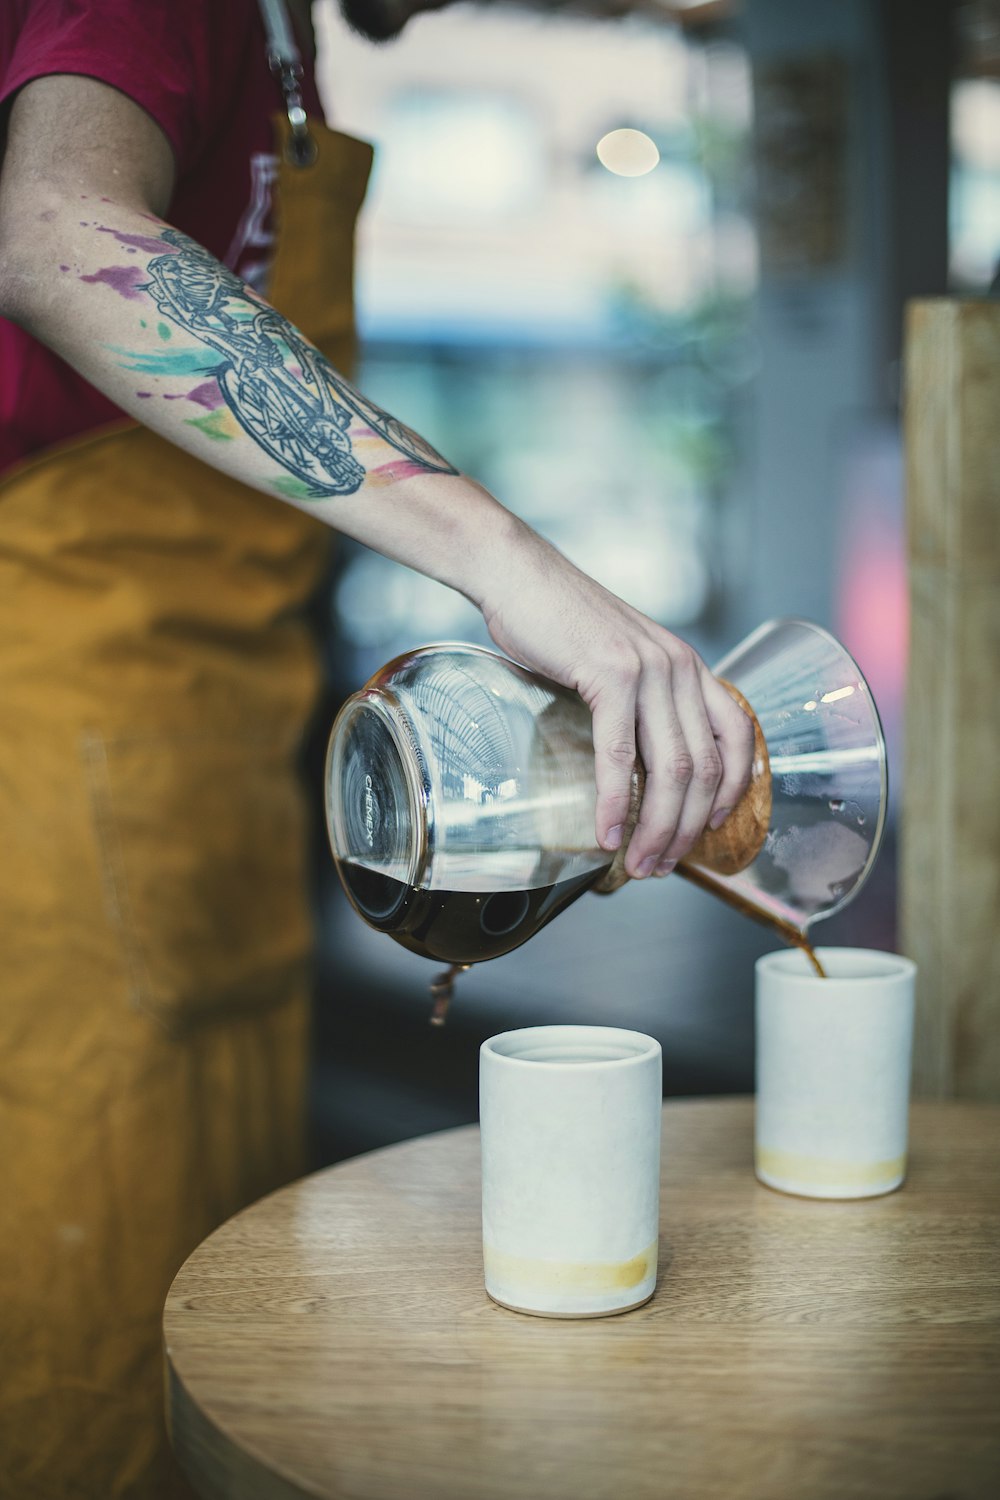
(586, 1278)
(818, 1172)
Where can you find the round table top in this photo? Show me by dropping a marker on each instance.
(335, 1339)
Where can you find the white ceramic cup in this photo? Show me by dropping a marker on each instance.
(833, 1072)
(570, 1119)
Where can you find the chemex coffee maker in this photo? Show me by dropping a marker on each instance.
(460, 795)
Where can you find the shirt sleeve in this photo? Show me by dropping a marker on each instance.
(174, 58)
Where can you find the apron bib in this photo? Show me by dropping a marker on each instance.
(156, 677)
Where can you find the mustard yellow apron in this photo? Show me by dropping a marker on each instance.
(155, 679)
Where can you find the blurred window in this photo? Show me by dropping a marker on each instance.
(974, 208)
(458, 156)
(974, 188)
(575, 338)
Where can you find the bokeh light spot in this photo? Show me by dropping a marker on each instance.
(627, 153)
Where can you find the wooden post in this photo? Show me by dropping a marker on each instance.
(950, 827)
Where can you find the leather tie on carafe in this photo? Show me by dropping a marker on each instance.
(725, 850)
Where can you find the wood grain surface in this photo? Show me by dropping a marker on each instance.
(335, 1340)
(950, 825)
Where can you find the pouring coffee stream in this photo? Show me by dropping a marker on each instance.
(460, 797)
(793, 936)
(726, 850)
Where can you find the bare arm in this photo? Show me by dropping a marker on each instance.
(173, 338)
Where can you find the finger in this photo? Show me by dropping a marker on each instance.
(669, 767)
(613, 713)
(734, 738)
(706, 764)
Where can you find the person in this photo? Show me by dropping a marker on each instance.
(179, 440)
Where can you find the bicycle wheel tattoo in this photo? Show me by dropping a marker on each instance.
(301, 417)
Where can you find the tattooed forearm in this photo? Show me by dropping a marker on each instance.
(281, 390)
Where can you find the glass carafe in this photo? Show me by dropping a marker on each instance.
(460, 794)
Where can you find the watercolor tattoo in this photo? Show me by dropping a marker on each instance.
(281, 391)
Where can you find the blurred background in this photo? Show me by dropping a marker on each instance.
(641, 269)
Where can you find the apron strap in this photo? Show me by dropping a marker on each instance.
(285, 62)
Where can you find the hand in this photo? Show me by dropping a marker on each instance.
(650, 695)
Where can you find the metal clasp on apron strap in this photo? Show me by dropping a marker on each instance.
(285, 62)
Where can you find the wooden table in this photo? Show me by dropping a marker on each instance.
(334, 1340)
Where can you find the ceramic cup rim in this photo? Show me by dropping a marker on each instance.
(792, 964)
(641, 1048)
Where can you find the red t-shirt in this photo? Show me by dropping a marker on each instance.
(199, 68)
